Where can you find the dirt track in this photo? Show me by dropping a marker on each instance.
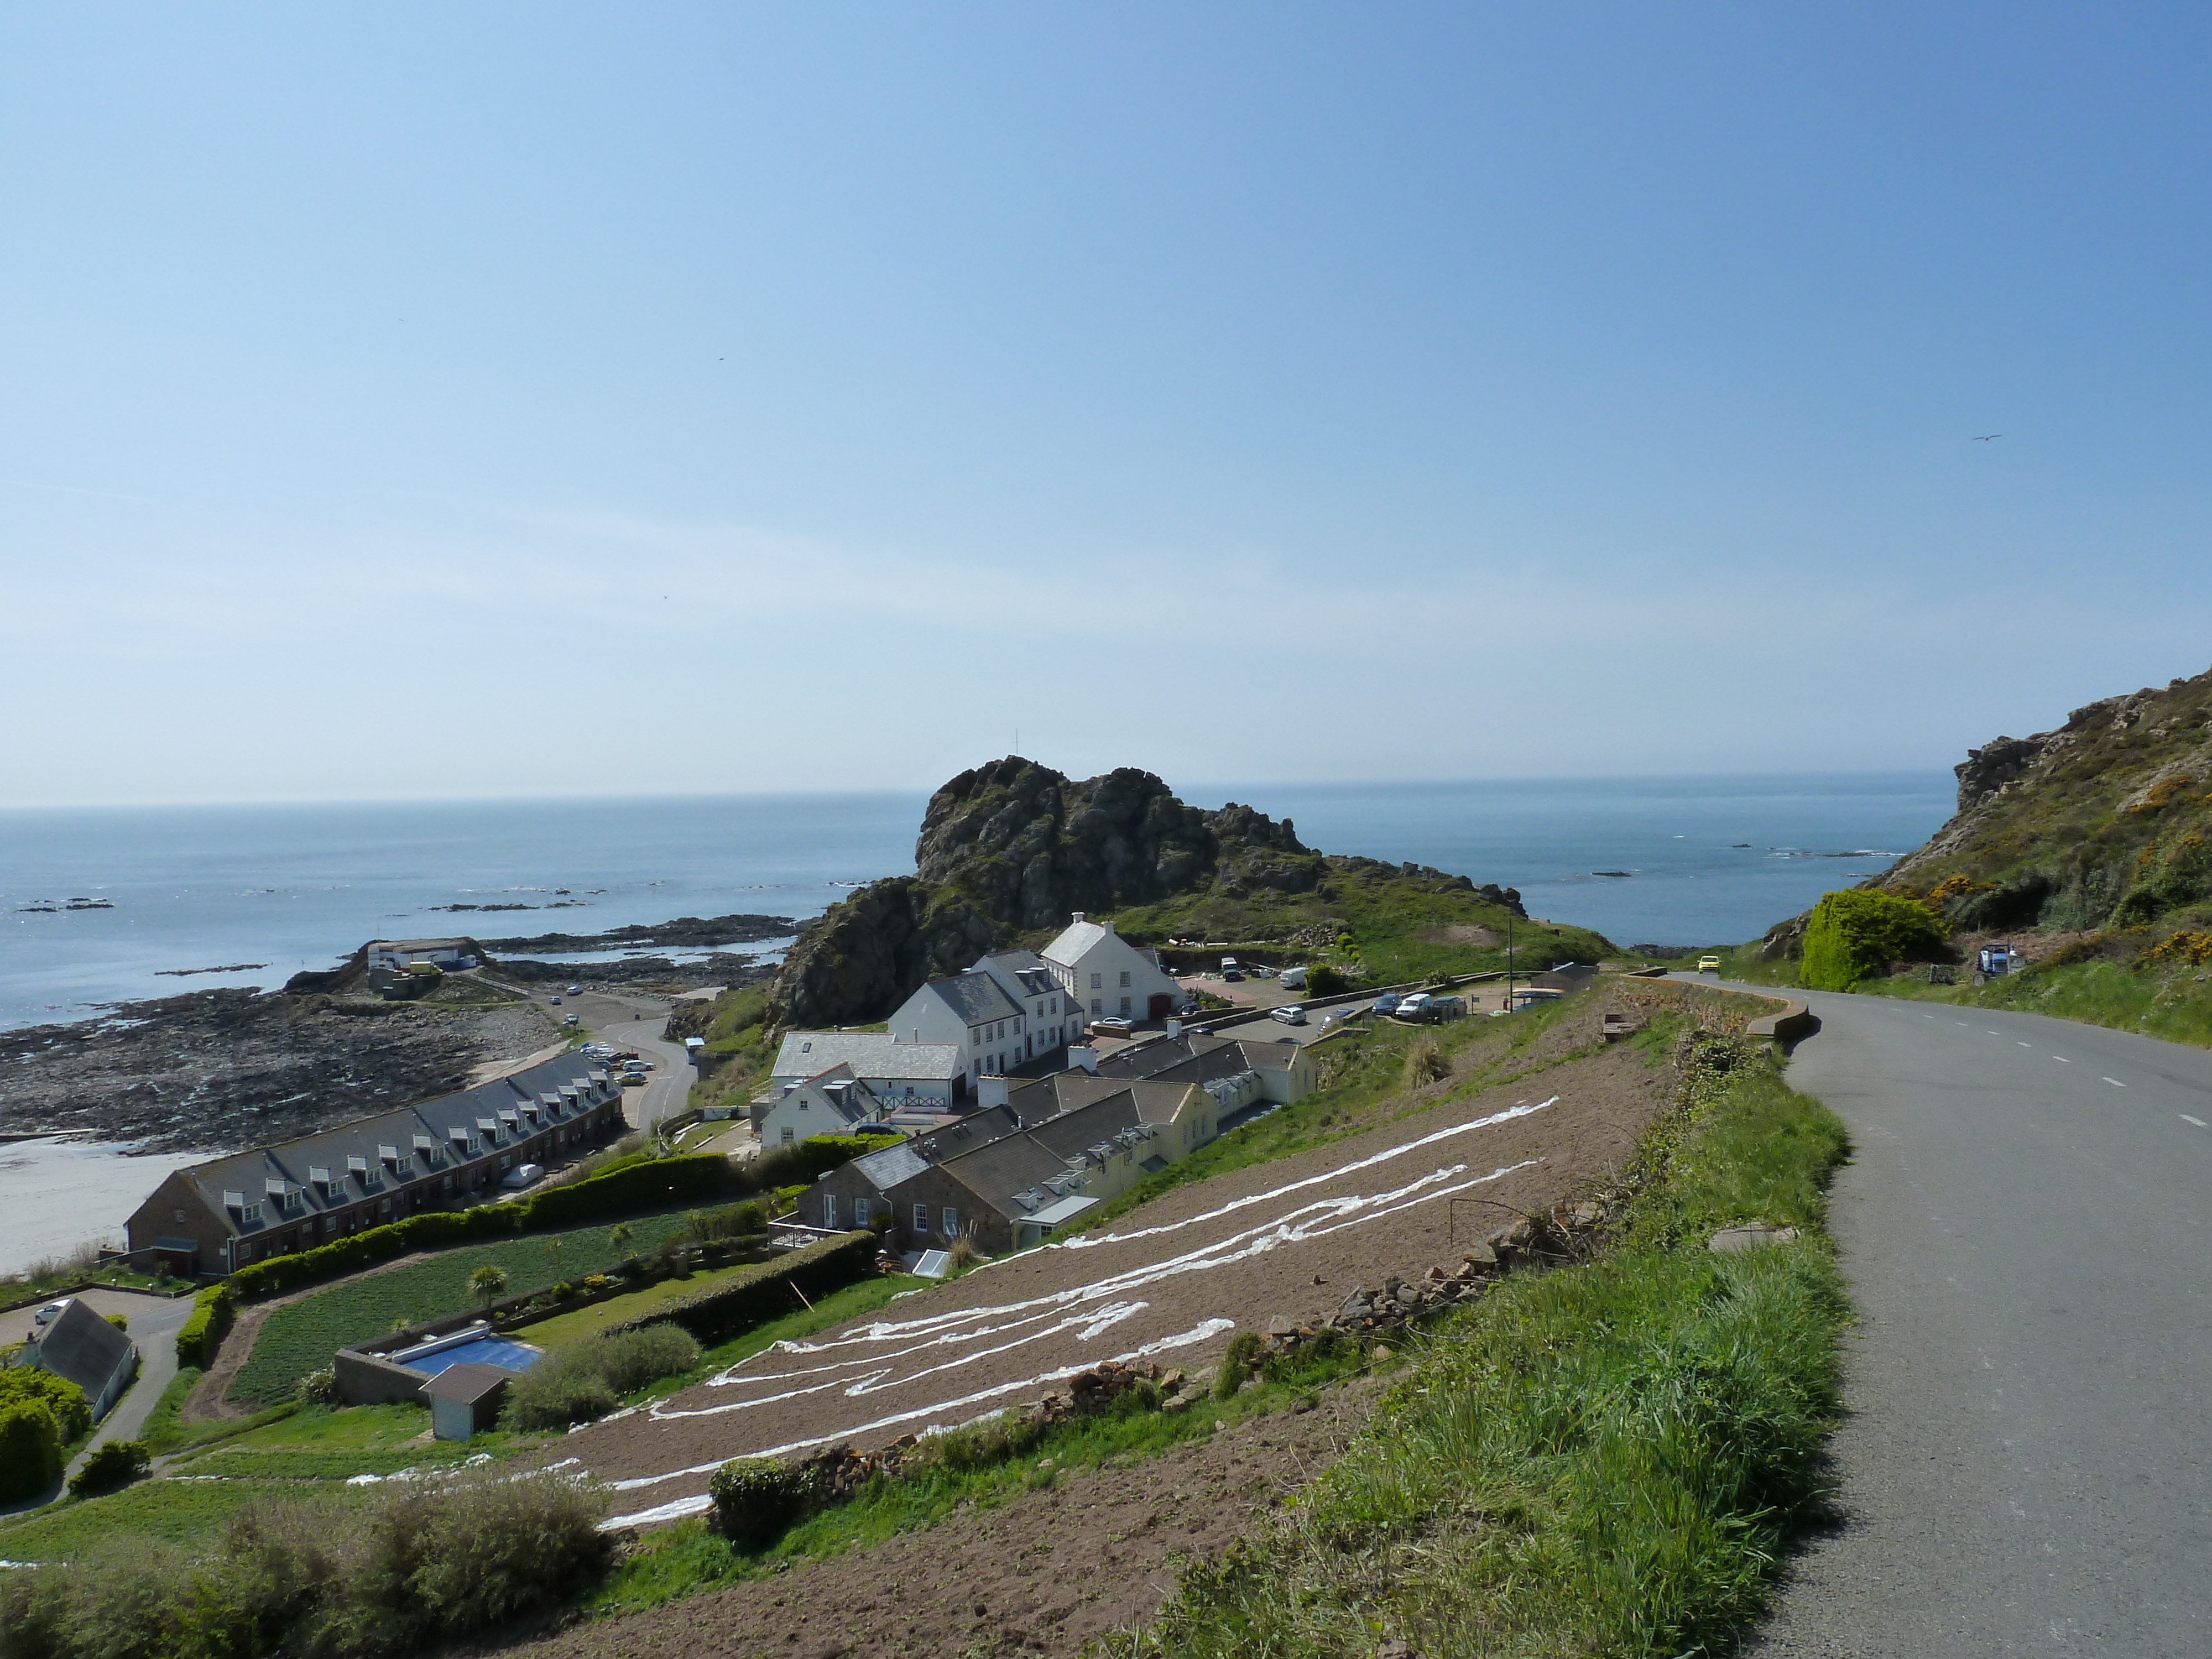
(1173, 1279)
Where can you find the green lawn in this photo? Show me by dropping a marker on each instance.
(305, 1335)
(553, 1332)
(322, 1442)
(175, 1511)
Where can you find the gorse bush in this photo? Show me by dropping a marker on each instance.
(755, 1499)
(72, 1410)
(414, 1567)
(1857, 934)
(111, 1468)
(586, 1380)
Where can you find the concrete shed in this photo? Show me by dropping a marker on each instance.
(465, 1400)
(78, 1345)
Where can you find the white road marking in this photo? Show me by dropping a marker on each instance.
(2116, 1082)
(2026, 1045)
(1997, 1034)
(1958, 1022)
(2199, 1121)
(2062, 1060)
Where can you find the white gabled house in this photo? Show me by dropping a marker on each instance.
(835, 1103)
(1107, 977)
(902, 1075)
(1004, 1011)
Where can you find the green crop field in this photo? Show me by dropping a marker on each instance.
(183, 1512)
(305, 1335)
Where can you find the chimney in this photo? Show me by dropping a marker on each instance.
(990, 1091)
(1084, 1055)
(1079, 915)
(1175, 1030)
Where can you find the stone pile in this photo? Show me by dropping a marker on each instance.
(1096, 1390)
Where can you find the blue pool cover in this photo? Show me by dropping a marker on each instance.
(484, 1351)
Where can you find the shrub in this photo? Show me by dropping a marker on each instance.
(201, 1334)
(731, 1221)
(318, 1387)
(111, 1468)
(1857, 933)
(1425, 1063)
(1323, 980)
(1237, 1361)
(121, 1322)
(803, 1164)
(30, 1449)
(983, 1445)
(72, 1411)
(755, 1499)
(576, 1383)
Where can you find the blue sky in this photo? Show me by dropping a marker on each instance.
(431, 401)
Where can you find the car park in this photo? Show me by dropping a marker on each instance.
(1289, 1013)
(1387, 1002)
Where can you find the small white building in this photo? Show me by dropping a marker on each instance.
(394, 955)
(1002, 1013)
(1108, 977)
(915, 1076)
(835, 1103)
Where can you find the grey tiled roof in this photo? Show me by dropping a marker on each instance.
(870, 1053)
(974, 996)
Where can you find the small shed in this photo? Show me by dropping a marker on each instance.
(78, 1345)
(466, 1399)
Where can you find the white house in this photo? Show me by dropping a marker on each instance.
(1108, 977)
(835, 1103)
(1003, 1013)
(897, 1073)
(394, 954)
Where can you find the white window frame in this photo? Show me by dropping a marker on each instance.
(921, 1217)
(829, 1212)
(949, 1222)
(860, 1212)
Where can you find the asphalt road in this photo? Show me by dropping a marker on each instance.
(633, 1019)
(2025, 1468)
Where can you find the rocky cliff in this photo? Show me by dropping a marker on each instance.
(2103, 824)
(1011, 849)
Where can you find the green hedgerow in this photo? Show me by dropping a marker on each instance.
(111, 1468)
(30, 1449)
(72, 1411)
(1855, 934)
(755, 1499)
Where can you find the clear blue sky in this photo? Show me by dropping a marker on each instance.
(483, 400)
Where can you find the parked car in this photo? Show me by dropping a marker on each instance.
(1289, 1013)
(1387, 1002)
(1709, 964)
(1414, 1007)
(568, 1019)
(1232, 974)
(637, 1067)
(556, 999)
(634, 1080)
(1111, 1027)
(521, 1175)
(1435, 1011)
(50, 1311)
(575, 990)
(1227, 963)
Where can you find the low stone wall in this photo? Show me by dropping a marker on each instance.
(370, 1379)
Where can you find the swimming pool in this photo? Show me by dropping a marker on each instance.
(484, 1351)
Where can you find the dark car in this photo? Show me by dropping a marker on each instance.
(1387, 1002)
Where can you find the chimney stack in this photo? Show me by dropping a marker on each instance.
(1083, 1056)
(1079, 916)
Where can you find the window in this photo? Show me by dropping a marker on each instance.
(829, 1210)
(1125, 1007)
(1098, 982)
(790, 1136)
(1125, 979)
(921, 1217)
(951, 1219)
(245, 1253)
(860, 1212)
(1098, 1006)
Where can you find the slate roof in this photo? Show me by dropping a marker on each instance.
(336, 1167)
(82, 1347)
(974, 996)
(870, 1053)
(996, 1172)
(468, 1382)
(1074, 939)
(893, 1165)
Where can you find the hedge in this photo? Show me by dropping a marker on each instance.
(213, 1309)
(653, 1184)
(807, 1163)
(1857, 933)
(737, 1304)
(30, 1449)
(72, 1410)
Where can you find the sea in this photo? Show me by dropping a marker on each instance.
(99, 907)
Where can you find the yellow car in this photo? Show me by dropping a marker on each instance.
(1709, 964)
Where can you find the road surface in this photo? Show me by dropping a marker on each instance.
(2026, 1467)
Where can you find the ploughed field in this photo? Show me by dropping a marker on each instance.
(1170, 1281)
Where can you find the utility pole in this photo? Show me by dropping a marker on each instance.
(1509, 964)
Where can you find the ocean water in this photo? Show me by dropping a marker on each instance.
(263, 892)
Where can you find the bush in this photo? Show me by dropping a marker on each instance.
(731, 1221)
(1857, 934)
(121, 1322)
(755, 1499)
(30, 1449)
(1237, 1361)
(803, 1164)
(1425, 1063)
(111, 1468)
(984, 1445)
(1323, 980)
(72, 1411)
(414, 1567)
(318, 1387)
(585, 1380)
(213, 1309)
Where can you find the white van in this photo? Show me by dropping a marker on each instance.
(1294, 978)
(1414, 1007)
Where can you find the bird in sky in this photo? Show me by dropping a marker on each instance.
(1986, 436)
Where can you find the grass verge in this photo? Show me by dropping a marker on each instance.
(1603, 1459)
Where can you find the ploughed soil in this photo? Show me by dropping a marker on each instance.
(1170, 1281)
(1059, 1566)
(212, 1070)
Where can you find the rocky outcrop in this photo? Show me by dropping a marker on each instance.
(1013, 847)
